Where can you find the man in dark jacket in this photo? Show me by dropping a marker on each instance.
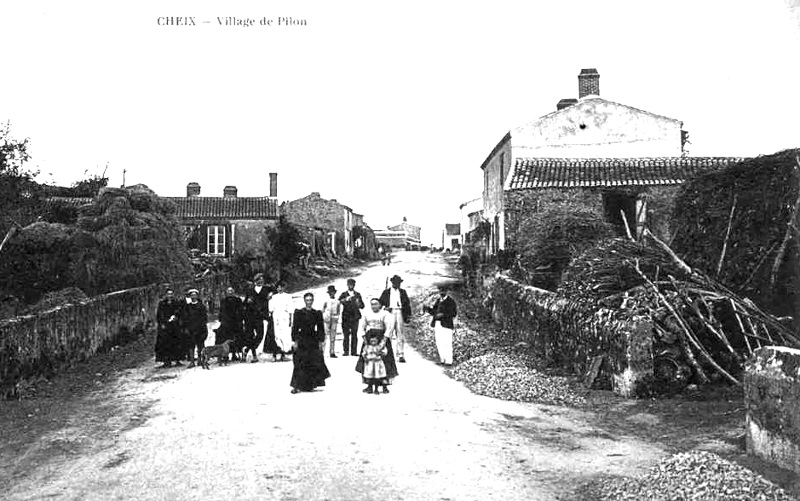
(396, 302)
(256, 311)
(194, 318)
(444, 312)
(351, 314)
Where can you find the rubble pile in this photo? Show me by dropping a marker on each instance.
(512, 376)
(701, 329)
(695, 475)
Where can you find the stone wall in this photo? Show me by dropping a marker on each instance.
(571, 335)
(329, 215)
(44, 342)
(772, 400)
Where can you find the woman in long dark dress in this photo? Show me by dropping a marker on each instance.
(308, 331)
(195, 320)
(231, 320)
(169, 347)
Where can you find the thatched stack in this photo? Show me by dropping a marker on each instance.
(699, 324)
(741, 226)
(547, 241)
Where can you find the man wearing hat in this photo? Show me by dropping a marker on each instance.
(195, 323)
(256, 311)
(330, 316)
(444, 311)
(396, 302)
(352, 304)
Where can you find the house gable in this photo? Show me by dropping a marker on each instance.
(596, 127)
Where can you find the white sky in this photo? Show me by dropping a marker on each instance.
(389, 107)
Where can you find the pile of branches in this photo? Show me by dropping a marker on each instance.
(701, 327)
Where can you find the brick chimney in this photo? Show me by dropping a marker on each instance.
(588, 83)
(566, 103)
(273, 185)
(229, 192)
(193, 190)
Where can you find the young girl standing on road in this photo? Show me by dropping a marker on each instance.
(374, 374)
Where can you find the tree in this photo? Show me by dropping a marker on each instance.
(283, 247)
(20, 195)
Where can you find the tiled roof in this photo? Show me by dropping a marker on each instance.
(225, 208)
(533, 173)
(452, 229)
(73, 201)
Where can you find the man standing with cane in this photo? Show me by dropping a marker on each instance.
(396, 302)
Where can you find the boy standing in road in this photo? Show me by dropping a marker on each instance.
(352, 304)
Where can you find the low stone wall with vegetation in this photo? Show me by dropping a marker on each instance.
(571, 335)
(40, 344)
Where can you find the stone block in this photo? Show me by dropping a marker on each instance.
(772, 401)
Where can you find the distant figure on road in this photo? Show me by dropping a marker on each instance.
(281, 310)
(444, 312)
(331, 311)
(169, 342)
(195, 324)
(396, 302)
(352, 304)
(377, 323)
(308, 330)
(256, 309)
(231, 320)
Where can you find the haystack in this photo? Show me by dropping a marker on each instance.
(741, 226)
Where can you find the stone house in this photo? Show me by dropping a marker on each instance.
(403, 235)
(471, 216)
(335, 219)
(227, 225)
(607, 152)
(451, 236)
(643, 189)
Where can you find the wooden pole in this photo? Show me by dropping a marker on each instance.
(727, 235)
(776, 265)
(627, 228)
(741, 327)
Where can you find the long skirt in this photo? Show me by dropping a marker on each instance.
(283, 333)
(270, 346)
(169, 345)
(310, 370)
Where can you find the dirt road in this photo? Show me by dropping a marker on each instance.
(237, 433)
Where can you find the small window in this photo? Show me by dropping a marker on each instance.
(502, 168)
(216, 241)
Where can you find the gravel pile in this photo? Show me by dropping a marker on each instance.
(695, 475)
(510, 376)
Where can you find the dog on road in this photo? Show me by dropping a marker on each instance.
(221, 351)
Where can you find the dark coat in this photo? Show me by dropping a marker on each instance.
(308, 331)
(231, 319)
(256, 305)
(308, 327)
(447, 308)
(351, 307)
(169, 338)
(194, 319)
(405, 303)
